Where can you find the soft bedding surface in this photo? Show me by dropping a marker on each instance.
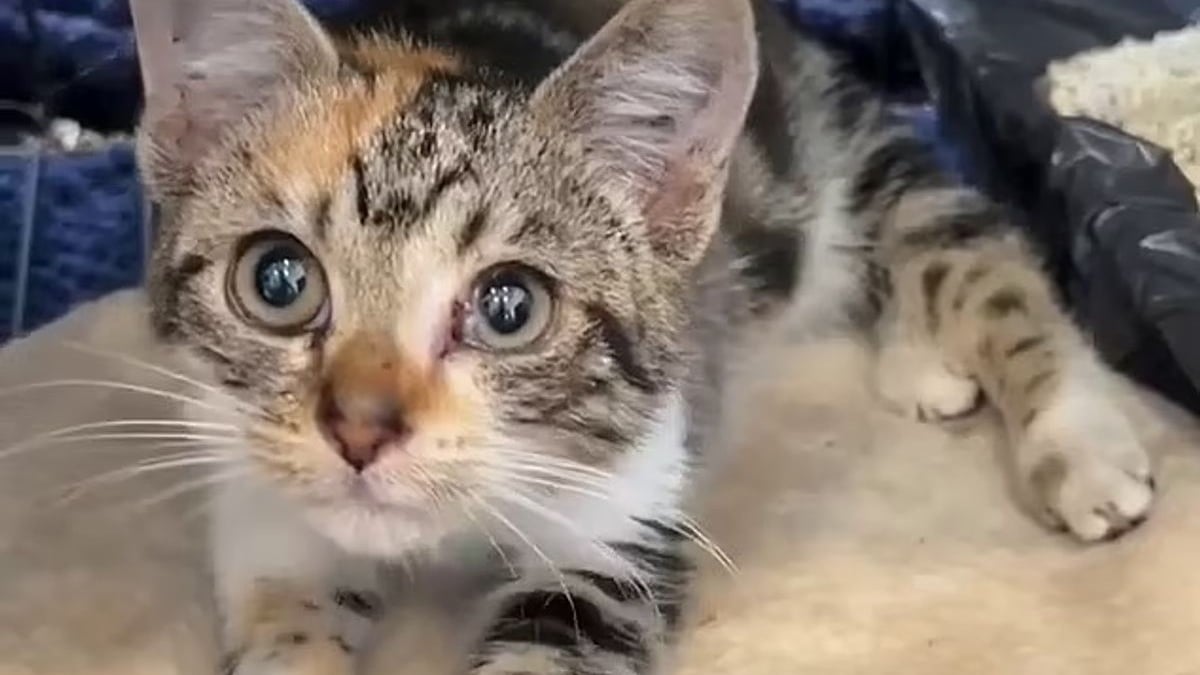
(866, 544)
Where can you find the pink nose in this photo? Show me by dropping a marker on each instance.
(361, 427)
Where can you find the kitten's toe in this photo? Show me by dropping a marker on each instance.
(1097, 487)
(920, 386)
(307, 637)
(294, 654)
(1095, 503)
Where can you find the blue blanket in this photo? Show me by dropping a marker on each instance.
(71, 225)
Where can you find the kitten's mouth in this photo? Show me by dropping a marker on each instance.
(367, 492)
(369, 517)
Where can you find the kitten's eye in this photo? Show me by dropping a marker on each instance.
(512, 307)
(277, 283)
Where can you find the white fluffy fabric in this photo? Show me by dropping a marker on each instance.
(1148, 88)
(866, 544)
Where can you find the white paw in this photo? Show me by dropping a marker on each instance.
(915, 381)
(294, 654)
(308, 637)
(1086, 470)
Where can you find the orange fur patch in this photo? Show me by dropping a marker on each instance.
(309, 146)
(371, 366)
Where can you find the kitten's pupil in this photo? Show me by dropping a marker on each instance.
(281, 277)
(506, 304)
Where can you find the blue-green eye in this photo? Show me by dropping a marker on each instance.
(279, 284)
(513, 307)
(281, 277)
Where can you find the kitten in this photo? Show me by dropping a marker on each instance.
(482, 278)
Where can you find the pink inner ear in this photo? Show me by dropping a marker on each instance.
(682, 189)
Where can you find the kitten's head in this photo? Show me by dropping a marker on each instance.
(422, 285)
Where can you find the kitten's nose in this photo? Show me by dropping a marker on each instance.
(361, 426)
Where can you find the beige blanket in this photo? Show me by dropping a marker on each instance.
(866, 544)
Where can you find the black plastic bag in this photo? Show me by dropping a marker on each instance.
(1115, 216)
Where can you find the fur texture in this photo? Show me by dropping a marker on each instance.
(864, 542)
(659, 185)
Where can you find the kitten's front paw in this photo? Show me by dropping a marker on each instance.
(1086, 471)
(914, 381)
(306, 637)
(293, 654)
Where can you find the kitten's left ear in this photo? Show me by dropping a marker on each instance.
(659, 97)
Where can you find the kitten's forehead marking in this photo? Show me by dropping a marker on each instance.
(308, 149)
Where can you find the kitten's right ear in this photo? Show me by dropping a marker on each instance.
(206, 64)
(658, 100)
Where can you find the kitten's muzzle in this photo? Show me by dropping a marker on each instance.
(361, 427)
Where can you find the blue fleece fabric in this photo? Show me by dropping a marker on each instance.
(86, 239)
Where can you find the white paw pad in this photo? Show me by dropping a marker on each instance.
(925, 389)
(1094, 482)
(308, 638)
(943, 396)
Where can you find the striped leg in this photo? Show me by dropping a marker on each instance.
(588, 622)
(972, 311)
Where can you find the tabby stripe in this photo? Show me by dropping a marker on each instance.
(175, 282)
(188, 268)
(599, 429)
(617, 591)
(668, 532)
(570, 420)
(850, 100)
(662, 562)
(360, 603)
(1004, 302)
(931, 284)
(620, 348)
(396, 210)
(532, 227)
(322, 216)
(551, 618)
(956, 229)
(1024, 345)
(768, 124)
(890, 169)
(974, 275)
(1037, 381)
(772, 256)
(472, 229)
(668, 568)
(362, 196)
(274, 200)
(1028, 417)
(427, 146)
(450, 178)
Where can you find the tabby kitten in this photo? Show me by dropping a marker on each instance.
(477, 277)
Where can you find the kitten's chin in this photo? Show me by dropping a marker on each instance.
(386, 532)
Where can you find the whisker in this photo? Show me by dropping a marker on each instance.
(177, 461)
(628, 569)
(562, 580)
(553, 472)
(550, 461)
(40, 439)
(95, 438)
(110, 384)
(698, 536)
(132, 360)
(190, 486)
(687, 528)
(533, 480)
(512, 571)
